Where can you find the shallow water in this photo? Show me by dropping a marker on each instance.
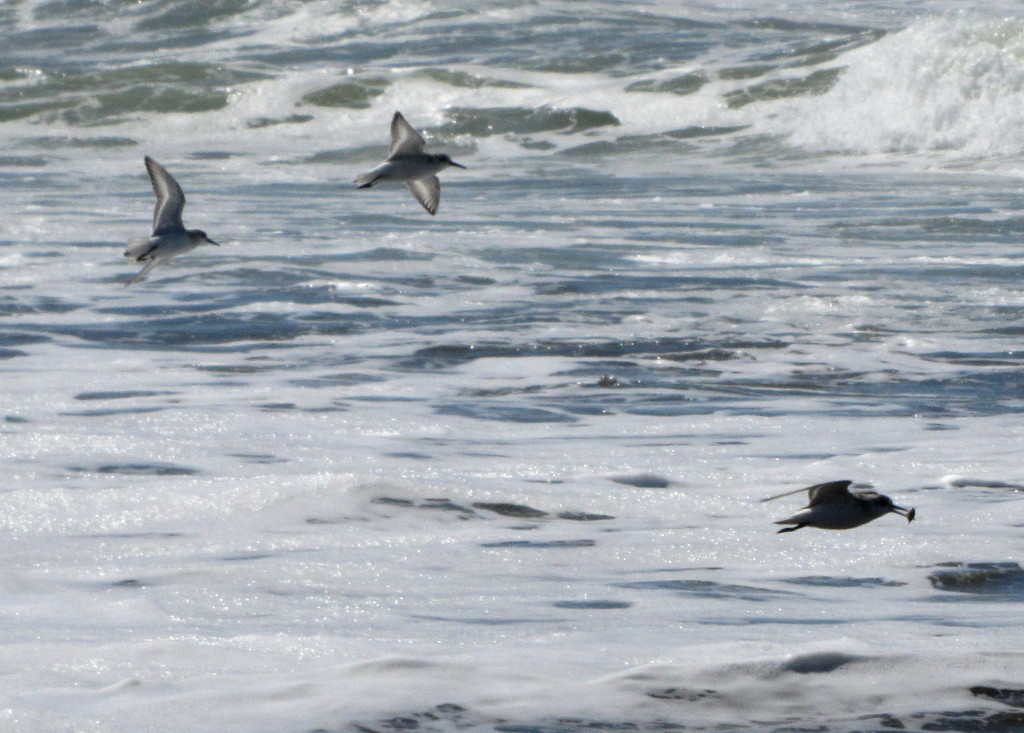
(500, 469)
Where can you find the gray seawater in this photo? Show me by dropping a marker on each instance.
(686, 255)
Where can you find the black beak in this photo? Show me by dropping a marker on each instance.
(457, 165)
(904, 512)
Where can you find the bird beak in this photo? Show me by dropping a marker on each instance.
(903, 512)
(457, 165)
(210, 241)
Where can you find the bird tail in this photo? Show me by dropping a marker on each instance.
(365, 180)
(138, 248)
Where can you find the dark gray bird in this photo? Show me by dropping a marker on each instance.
(832, 506)
(170, 238)
(408, 164)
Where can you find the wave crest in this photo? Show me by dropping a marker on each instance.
(940, 84)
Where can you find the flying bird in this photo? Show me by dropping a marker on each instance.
(408, 164)
(170, 238)
(832, 506)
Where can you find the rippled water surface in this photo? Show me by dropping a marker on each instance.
(361, 468)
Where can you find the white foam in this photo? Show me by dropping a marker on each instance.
(953, 84)
(287, 535)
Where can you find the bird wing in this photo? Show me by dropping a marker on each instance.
(143, 272)
(170, 199)
(427, 191)
(813, 491)
(404, 139)
(832, 492)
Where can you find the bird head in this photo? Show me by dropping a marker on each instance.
(199, 237)
(885, 505)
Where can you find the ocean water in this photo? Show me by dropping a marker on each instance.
(364, 469)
